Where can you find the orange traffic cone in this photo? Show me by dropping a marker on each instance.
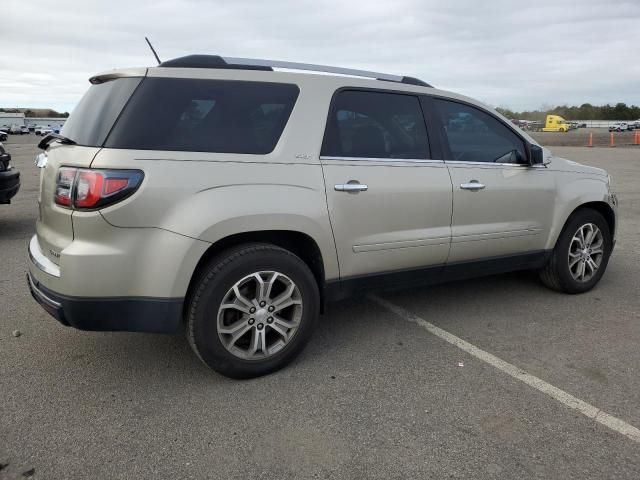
(637, 138)
(590, 143)
(612, 142)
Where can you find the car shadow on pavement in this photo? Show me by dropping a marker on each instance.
(348, 328)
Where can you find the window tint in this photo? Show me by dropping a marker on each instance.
(476, 136)
(375, 125)
(93, 117)
(204, 116)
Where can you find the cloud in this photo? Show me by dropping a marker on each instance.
(502, 52)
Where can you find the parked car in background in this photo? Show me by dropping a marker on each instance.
(24, 130)
(3, 136)
(9, 177)
(42, 131)
(223, 199)
(619, 127)
(15, 130)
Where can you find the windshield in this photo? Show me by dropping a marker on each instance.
(93, 117)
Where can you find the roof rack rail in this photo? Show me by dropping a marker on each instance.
(216, 61)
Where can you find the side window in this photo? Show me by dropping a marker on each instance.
(476, 136)
(375, 125)
(222, 116)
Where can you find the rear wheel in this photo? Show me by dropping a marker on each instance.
(581, 254)
(252, 310)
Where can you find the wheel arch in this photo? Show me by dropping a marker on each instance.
(300, 244)
(601, 207)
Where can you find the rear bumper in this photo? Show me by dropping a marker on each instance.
(9, 185)
(155, 315)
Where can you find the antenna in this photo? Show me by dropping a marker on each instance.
(153, 50)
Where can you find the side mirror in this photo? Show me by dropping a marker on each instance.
(536, 155)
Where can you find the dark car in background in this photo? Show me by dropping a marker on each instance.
(9, 177)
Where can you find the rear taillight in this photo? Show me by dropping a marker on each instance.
(85, 189)
(64, 186)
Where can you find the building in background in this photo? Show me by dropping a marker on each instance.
(9, 119)
(54, 123)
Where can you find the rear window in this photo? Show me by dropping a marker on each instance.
(204, 116)
(94, 116)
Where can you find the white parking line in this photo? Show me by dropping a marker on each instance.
(563, 397)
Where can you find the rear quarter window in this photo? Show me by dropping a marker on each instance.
(197, 115)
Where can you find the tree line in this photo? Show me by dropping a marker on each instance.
(36, 112)
(586, 111)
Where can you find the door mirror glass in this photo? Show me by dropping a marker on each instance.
(536, 155)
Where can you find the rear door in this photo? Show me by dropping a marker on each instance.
(501, 205)
(389, 201)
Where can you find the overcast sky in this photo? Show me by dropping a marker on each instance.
(518, 54)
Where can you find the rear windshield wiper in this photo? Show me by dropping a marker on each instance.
(44, 143)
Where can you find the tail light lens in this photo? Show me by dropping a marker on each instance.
(85, 189)
(64, 186)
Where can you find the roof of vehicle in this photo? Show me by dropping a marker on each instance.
(237, 63)
(211, 66)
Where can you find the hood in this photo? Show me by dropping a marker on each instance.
(566, 165)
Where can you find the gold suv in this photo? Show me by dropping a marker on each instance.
(231, 198)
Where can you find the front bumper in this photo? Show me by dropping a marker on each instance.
(9, 185)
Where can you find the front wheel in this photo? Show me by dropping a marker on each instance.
(581, 254)
(252, 310)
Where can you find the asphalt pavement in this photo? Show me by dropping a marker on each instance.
(372, 396)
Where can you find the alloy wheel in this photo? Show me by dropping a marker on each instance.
(259, 315)
(586, 252)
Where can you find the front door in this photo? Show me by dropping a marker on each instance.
(501, 205)
(389, 202)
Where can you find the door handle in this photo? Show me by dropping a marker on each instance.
(473, 185)
(353, 186)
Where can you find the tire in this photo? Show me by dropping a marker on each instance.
(210, 327)
(557, 274)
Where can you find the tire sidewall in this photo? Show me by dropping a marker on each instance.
(562, 250)
(203, 315)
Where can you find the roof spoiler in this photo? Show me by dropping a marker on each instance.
(113, 74)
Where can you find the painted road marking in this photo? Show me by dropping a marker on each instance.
(563, 397)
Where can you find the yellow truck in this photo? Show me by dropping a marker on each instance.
(555, 123)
